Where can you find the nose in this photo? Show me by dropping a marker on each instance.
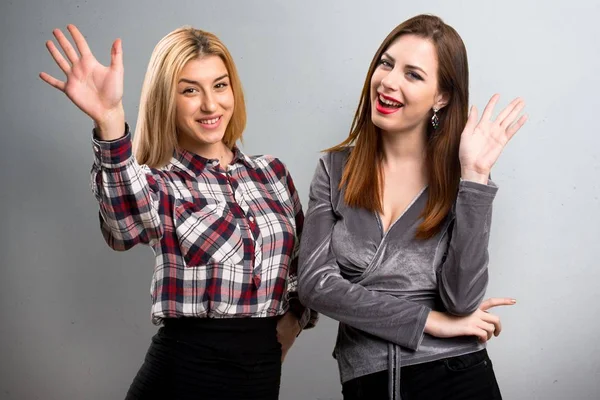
(209, 105)
(391, 81)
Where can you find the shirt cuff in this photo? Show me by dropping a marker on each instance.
(420, 330)
(301, 312)
(114, 153)
(470, 189)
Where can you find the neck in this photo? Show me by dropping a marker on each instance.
(213, 151)
(405, 147)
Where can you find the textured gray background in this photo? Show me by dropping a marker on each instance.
(75, 320)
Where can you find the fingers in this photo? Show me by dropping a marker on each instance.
(489, 328)
(481, 334)
(471, 121)
(483, 331)
(495, 320)
(79, 40)
(116, 55)
(514, 112)
(496, 301)
(498, 326)
(509, 109)
(60, 60)
(66, 46)
(489, 108)
(53, 81)
(510, 132)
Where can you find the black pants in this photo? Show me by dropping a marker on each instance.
(467, 377)
(211, 359)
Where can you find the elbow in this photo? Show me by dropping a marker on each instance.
(308, 293)
(462, 306)
(120, 238)
(461, 310)
(463, 298)
(316, 281)
(117, 243)
(316, 295)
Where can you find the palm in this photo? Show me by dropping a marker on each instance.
(482, 142)
(481, 149)
(94, 88)
(97, 90)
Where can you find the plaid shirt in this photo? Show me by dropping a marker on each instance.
(225, 241)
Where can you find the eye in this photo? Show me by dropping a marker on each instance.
(414, 75)
(189, 90)
(385, 63)
(221, 85)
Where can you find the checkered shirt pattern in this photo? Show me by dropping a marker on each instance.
(225, 239)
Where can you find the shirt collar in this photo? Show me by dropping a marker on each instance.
(196, 163)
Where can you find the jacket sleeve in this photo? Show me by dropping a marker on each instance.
(463, 276)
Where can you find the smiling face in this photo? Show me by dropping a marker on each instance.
(404, 85)
(204, 104)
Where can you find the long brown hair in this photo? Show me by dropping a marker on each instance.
(362, 182)
(155, 133)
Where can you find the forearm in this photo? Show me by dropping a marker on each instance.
(128, 204)
(463, 277)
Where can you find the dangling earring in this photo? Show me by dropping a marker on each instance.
(435, 121)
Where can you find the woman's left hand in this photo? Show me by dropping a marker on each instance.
(287, 330)
(482, 142)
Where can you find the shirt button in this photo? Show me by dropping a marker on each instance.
(251, 219)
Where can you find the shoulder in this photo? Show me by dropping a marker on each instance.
(270, 165)
(333, 162)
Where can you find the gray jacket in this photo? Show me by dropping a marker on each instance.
(381, 287)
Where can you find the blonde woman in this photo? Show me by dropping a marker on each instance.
(224, 226)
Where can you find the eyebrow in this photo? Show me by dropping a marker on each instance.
(415, 67)
(193, 82)
(407, 65)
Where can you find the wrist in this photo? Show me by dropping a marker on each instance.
(112, 125)
(292, 322)
(432, 323)
(475, 176)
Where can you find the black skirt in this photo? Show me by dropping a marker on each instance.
(211, 359)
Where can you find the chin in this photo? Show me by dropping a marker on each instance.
(381, 123)
(209, 137)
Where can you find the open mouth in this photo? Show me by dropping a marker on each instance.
(387, 105)
(211, 121)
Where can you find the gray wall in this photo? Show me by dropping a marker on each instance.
(75, 320)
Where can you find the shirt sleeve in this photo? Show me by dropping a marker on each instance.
(307, 318)
(322, 288)
(463, 276)
(128, 195)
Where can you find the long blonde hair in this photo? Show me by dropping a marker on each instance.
(155, 136)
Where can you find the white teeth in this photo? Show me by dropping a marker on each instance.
(210, 121)
(388, 102)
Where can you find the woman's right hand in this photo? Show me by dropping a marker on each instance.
(97, 90)
(481, 323)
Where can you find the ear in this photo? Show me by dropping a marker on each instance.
(441, 100)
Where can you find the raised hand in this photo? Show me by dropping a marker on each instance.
(482, 142)
(97, 90)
